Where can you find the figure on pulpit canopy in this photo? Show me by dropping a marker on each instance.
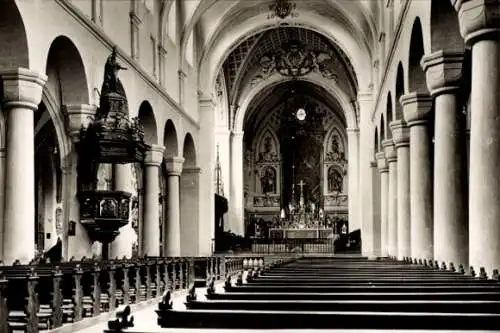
(268, 180)
(335, 180)
(111, 69)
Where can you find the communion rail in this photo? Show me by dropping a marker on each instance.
(40, 297)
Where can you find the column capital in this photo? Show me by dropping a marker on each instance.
(237, 134)
(351, 130)
(478, 19)
(79, 115)
(191, 170)
(22, 88)
(381, 162)
(390, 150)
(443, 71)
(174, 165)
(365, 96)
(182, 75)
(206, 102)
(162, 50)
(416, 107)
(154, 156)
(400, 133)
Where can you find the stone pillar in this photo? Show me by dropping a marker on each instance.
(172, 232)
(392, 196)
(79, 245)
(182, 82)
(353, 173)
(122, 245)
(206, 153)
(376, 227)
(365, 153)
(162, 55)
(416, 108)
(479, 27)
(401, 137)
(150, 244)
(236, 204)
(189, 188)
(383, 168)
(22, 93)
(3, 155)
(444, 72)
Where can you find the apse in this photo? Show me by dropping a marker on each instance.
(296, 152)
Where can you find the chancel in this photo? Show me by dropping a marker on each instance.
(255, 156)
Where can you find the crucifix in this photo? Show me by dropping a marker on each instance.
(301, 184)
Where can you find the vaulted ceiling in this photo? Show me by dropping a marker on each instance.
(245, 58)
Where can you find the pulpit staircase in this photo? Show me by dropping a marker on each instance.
(343, 293)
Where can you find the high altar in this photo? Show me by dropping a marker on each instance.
(295, 171)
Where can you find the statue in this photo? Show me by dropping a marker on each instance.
(335, 180)
(111, 73)
(268, 180)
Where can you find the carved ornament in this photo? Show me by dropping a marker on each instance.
(295, 60)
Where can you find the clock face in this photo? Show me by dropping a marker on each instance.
(301, 114)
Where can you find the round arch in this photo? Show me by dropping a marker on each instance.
(15, 53)
(218, 49)
(416, 76)
(388, 117)
(170, 139)
(147, 118)
(445, 28)
(66, 86)
(189, 151)
(382, 132)
(399, 89)
(250, 93)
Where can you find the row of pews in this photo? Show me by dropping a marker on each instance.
(343, 293)
(40, 297)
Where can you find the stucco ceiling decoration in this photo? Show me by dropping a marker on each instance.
(282, 9)
(295, 60)
(290, 51)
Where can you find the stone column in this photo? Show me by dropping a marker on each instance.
(376, 227)
(122, 245)
(206, 154)
(3, 155)
(401, 137)
(392, 196)
(353, 173)
(189, 188)
(416, 108)
(479, 26)
(236, 220)
(79, 245)
(383, 168)
(444, 72)
(150, 245)
(22, 93)
(172, 235)
(365, 196)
